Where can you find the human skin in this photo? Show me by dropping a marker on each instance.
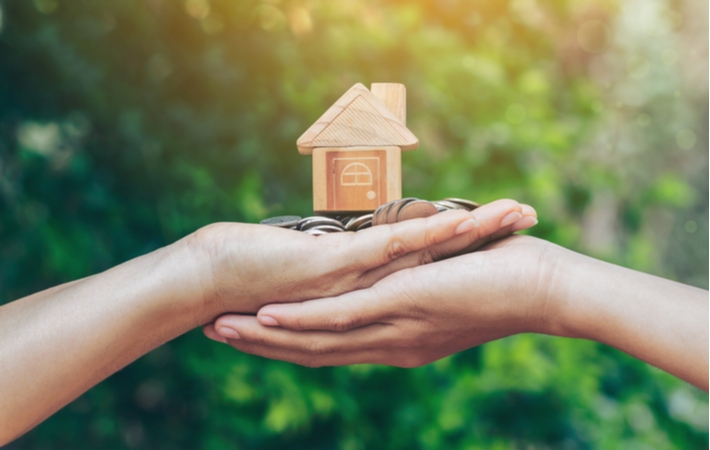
(516, 285)
(58, 343)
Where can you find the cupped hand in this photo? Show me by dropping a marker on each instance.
(411, 317)
(252, 265)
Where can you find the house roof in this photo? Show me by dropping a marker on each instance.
(357, 119)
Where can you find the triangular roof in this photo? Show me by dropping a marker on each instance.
(357, 119)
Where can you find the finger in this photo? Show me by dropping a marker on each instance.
(491, 218)
(370, 356)
(311, 349)
(509, 241)
(529, 220)
(248, 329)
(209, 331)
(382, 244)
(345, 312)
(528, 210)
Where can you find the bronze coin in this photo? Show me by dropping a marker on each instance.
(393, 212)
(380, 217)
(416, 209)
(358, 222)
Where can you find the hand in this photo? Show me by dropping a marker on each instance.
(63, 340)
(412, 317)
(252, 265)
(519, 284)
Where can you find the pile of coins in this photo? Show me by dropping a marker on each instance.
(391, 212)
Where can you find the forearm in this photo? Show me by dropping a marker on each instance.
(58, 343)
(658, 321)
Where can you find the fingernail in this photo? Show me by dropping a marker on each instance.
(268, 321)
(524, 223)
(510, 219)
(218, 339)
(229, 333)
(467, 225)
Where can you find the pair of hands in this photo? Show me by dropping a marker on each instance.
(377, 300)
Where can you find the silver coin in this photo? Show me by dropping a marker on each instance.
(281, 221)
(310, 222)
(326, 228)
(367, 224)
(468, 204)
(315, 232)
(390, 212)
(417, 209)
(343, 218)
(358, 222)
(447, 204)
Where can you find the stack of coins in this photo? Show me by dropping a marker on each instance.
(392, 212)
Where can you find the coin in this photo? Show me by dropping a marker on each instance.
(416, 209)
(390, 212)
(448, 205)
(397, 205)
(326, 228)
(281, 221)
(367, 224)
(310, 222)
(356, 223)
(391, 216)
(380, 216)
(468, 204)
(315, 232)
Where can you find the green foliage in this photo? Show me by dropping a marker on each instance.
(127, 125)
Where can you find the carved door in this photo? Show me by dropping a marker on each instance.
(357, 180)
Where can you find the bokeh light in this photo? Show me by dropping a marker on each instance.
(125, 126)
(594, 36)
(686, 139)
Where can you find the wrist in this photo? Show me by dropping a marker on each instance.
(578, 307)
(558, 276)
(198, 255)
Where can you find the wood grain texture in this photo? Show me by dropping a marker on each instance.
(394, 97)
(320, 191)
(394, 174)
(358, 179)
(357, 119)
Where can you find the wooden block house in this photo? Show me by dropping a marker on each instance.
(356, 147)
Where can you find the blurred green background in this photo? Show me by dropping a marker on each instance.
(125, 125)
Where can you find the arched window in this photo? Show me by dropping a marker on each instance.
(356, 174)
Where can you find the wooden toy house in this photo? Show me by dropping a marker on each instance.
(356, 147)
